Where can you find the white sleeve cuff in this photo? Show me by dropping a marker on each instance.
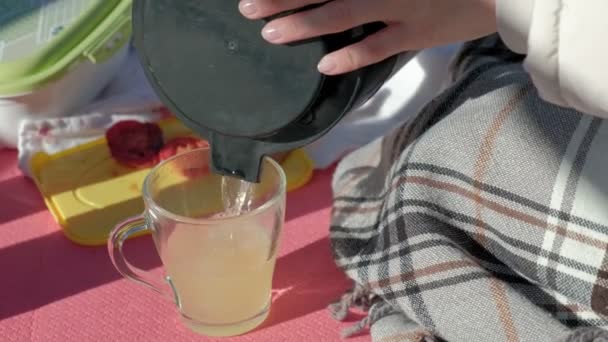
(542, 61)
(513, 20)
(566, 58)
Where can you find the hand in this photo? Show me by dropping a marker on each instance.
(411, 25)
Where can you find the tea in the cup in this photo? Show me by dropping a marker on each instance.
(222, 276)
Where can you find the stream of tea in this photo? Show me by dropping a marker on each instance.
(237, 196)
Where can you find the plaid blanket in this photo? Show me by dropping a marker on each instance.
(483, 219)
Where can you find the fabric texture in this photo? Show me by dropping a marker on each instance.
(484, 218)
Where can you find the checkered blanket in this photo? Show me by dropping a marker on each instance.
(483, 219)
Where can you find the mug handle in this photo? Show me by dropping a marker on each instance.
(118, 236)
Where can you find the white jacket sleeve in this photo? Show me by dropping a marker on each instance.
(566, 43)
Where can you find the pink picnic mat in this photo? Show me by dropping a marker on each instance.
(54, 290)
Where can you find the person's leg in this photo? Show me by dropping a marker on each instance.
(486, 217)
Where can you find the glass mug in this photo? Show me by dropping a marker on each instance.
(217, 238)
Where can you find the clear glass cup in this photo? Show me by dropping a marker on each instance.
(218, 260)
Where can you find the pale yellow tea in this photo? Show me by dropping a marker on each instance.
(222, 276)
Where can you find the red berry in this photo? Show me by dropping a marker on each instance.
(135, 144)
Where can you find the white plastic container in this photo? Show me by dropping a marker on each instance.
(56, 56)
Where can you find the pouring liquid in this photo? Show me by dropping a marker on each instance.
(237, 196)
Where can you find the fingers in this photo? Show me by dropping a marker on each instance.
(332, 17)
(372, 49)
(257, 9)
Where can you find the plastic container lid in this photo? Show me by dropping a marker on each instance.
(41, 39)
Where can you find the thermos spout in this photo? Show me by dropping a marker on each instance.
(236, 157)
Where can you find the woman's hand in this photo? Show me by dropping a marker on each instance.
(411, 25)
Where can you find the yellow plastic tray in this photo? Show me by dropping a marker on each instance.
(88, 193)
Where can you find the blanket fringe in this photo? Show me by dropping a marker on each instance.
(361, 298)
(377, 311)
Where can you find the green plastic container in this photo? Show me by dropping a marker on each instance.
(56, 56)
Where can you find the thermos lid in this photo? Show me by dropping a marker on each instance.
(211, 65)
